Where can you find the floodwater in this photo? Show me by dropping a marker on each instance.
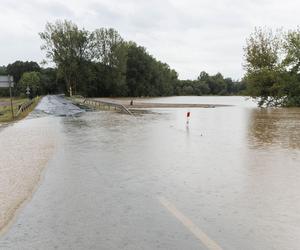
(58, 106)
(220, 100)
(233, 174)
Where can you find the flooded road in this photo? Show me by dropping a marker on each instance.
(57, 105)
(230, 180)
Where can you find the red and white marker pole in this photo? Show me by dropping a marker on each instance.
(188, 114)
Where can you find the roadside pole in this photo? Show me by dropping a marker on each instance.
(188, 114)
(10, 94)
(28, 92)
(8, 82)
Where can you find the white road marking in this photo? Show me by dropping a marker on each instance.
(194, 229)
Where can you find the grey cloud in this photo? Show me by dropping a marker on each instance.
(190, 35)
(56, 9)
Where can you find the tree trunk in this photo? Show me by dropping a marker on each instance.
(70, 91)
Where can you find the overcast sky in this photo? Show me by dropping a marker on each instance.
(189, 35)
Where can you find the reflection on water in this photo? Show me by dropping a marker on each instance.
(275, 127)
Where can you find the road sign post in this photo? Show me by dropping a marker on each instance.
(8, 82)
(11, 103)
(28, 92)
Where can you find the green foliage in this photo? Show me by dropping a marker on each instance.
(146, 76)
(209, 85)
(101, 63)
(261, 51)
(139, 66)
(31, 80)
(110, 51)
(17, 69)
(3, 70)
(272, 68)
(291, 46)
(50, 82)
(68, 47)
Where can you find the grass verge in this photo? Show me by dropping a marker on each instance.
(5, 110)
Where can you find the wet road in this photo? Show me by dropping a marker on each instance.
(230, 180)
(57, 105)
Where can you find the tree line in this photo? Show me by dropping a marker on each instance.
(29, 74)
(207, 84)
(102, 63)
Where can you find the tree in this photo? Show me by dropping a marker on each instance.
(291, 61)
(109, 50)
(217, 85)
(138, 74)
(291, 46)
(3, 70)
(263, 67)
(68, 47)
(214, 85)
(147, 76)
(101, 63)
(17, 69)
(31, 80)
(203, 77)
(272, 65)
(50, 83)
(262, 50)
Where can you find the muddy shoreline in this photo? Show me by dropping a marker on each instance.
(137, 104)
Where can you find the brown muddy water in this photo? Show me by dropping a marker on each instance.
(233, 174)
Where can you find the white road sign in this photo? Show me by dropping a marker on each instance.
(5, 80)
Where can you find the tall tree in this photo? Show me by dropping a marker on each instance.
(68, 47)
(50, 83)
(273, 67)
(263, 67)
(109, 49)
(138, 73)
(146, 76)
(262, 50)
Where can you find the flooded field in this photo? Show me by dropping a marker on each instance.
(229, 180)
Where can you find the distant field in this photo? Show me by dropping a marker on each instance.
(5, 111)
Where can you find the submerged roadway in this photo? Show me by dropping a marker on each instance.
(148, 182)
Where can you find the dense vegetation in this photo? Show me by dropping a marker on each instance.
(40, 80)
(273, 67)
(101, 63)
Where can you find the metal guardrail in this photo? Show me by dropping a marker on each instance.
(105, 104)
(25, 106)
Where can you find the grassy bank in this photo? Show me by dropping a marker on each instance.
(5, 109)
